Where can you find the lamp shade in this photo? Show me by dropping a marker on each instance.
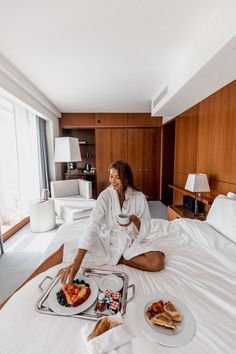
(197, 182)
(67, 150)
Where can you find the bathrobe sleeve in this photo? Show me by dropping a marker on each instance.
(95, 222)
(144, 215)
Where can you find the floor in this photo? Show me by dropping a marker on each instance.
(23, 252)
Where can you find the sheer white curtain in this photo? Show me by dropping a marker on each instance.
(9, 192)
(19, 168)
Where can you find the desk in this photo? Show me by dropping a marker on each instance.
(205, 199)
(179, 211)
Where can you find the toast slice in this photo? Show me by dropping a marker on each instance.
(172, 311)
(163, 320)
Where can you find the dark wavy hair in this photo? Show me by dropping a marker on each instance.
(125, 174)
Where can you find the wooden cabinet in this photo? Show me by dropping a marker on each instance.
(151, 162)
(77, 120)
(110, 120)
(143, 120)
(132, 137)
(135, 155)
(144, 159)
(111, 145)
(87, 145)
(140, 147)
(86, 138)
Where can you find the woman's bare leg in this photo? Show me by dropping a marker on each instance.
(149, 261)
(54, 259)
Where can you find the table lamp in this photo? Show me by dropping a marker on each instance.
(197, 183)
(67, 150)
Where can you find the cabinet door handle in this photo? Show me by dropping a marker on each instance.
(139, 169)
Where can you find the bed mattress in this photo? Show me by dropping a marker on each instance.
(199, 271)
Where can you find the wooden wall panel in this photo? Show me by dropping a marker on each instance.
(135, 155)
(143, 120)
(206, 142)
(216, 152)
(119, 144)
(180, 180)
(186, 133)
(110, 119)
(186, 141)
(103, 158)
(77, 120)
(151, 162)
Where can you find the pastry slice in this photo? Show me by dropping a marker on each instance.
(162, 319)
(172, 311)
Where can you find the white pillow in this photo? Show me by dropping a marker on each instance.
(231, 195)
(222, 216)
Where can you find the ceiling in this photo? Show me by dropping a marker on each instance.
(117, 56)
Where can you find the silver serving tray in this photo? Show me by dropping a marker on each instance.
(91, 313)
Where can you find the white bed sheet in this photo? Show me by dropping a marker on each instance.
(200, 271)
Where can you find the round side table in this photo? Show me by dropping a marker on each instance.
(42, 215)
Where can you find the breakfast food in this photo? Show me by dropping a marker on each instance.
(74, 294)
(155, 308)
(102, 326)
(162, 319)
(172, 312)
(163, 314)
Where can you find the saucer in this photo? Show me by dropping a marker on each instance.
(111, 282)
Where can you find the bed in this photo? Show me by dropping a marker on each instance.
(200, 271)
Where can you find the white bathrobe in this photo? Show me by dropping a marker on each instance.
(103, 237)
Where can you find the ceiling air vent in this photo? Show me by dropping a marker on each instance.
(160, 96)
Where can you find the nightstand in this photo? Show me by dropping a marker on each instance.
(179, 211)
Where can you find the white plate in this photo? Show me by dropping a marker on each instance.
(110, 281)
(185, 330)
(68, 311)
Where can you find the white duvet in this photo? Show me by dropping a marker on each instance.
(200, 271)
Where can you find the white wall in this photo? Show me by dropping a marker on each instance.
(205, 67)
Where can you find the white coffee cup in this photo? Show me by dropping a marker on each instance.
(123, 219)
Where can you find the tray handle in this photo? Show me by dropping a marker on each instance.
(131, 286)
(40, 285)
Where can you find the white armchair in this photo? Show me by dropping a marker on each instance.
(73, 198)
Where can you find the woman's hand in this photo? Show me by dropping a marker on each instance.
(134, 219)
(71, 271)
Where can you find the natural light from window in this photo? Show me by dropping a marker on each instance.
(19, 167)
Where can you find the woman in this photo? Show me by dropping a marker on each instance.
(105, 240)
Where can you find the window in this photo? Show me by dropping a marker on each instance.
(19, 166)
